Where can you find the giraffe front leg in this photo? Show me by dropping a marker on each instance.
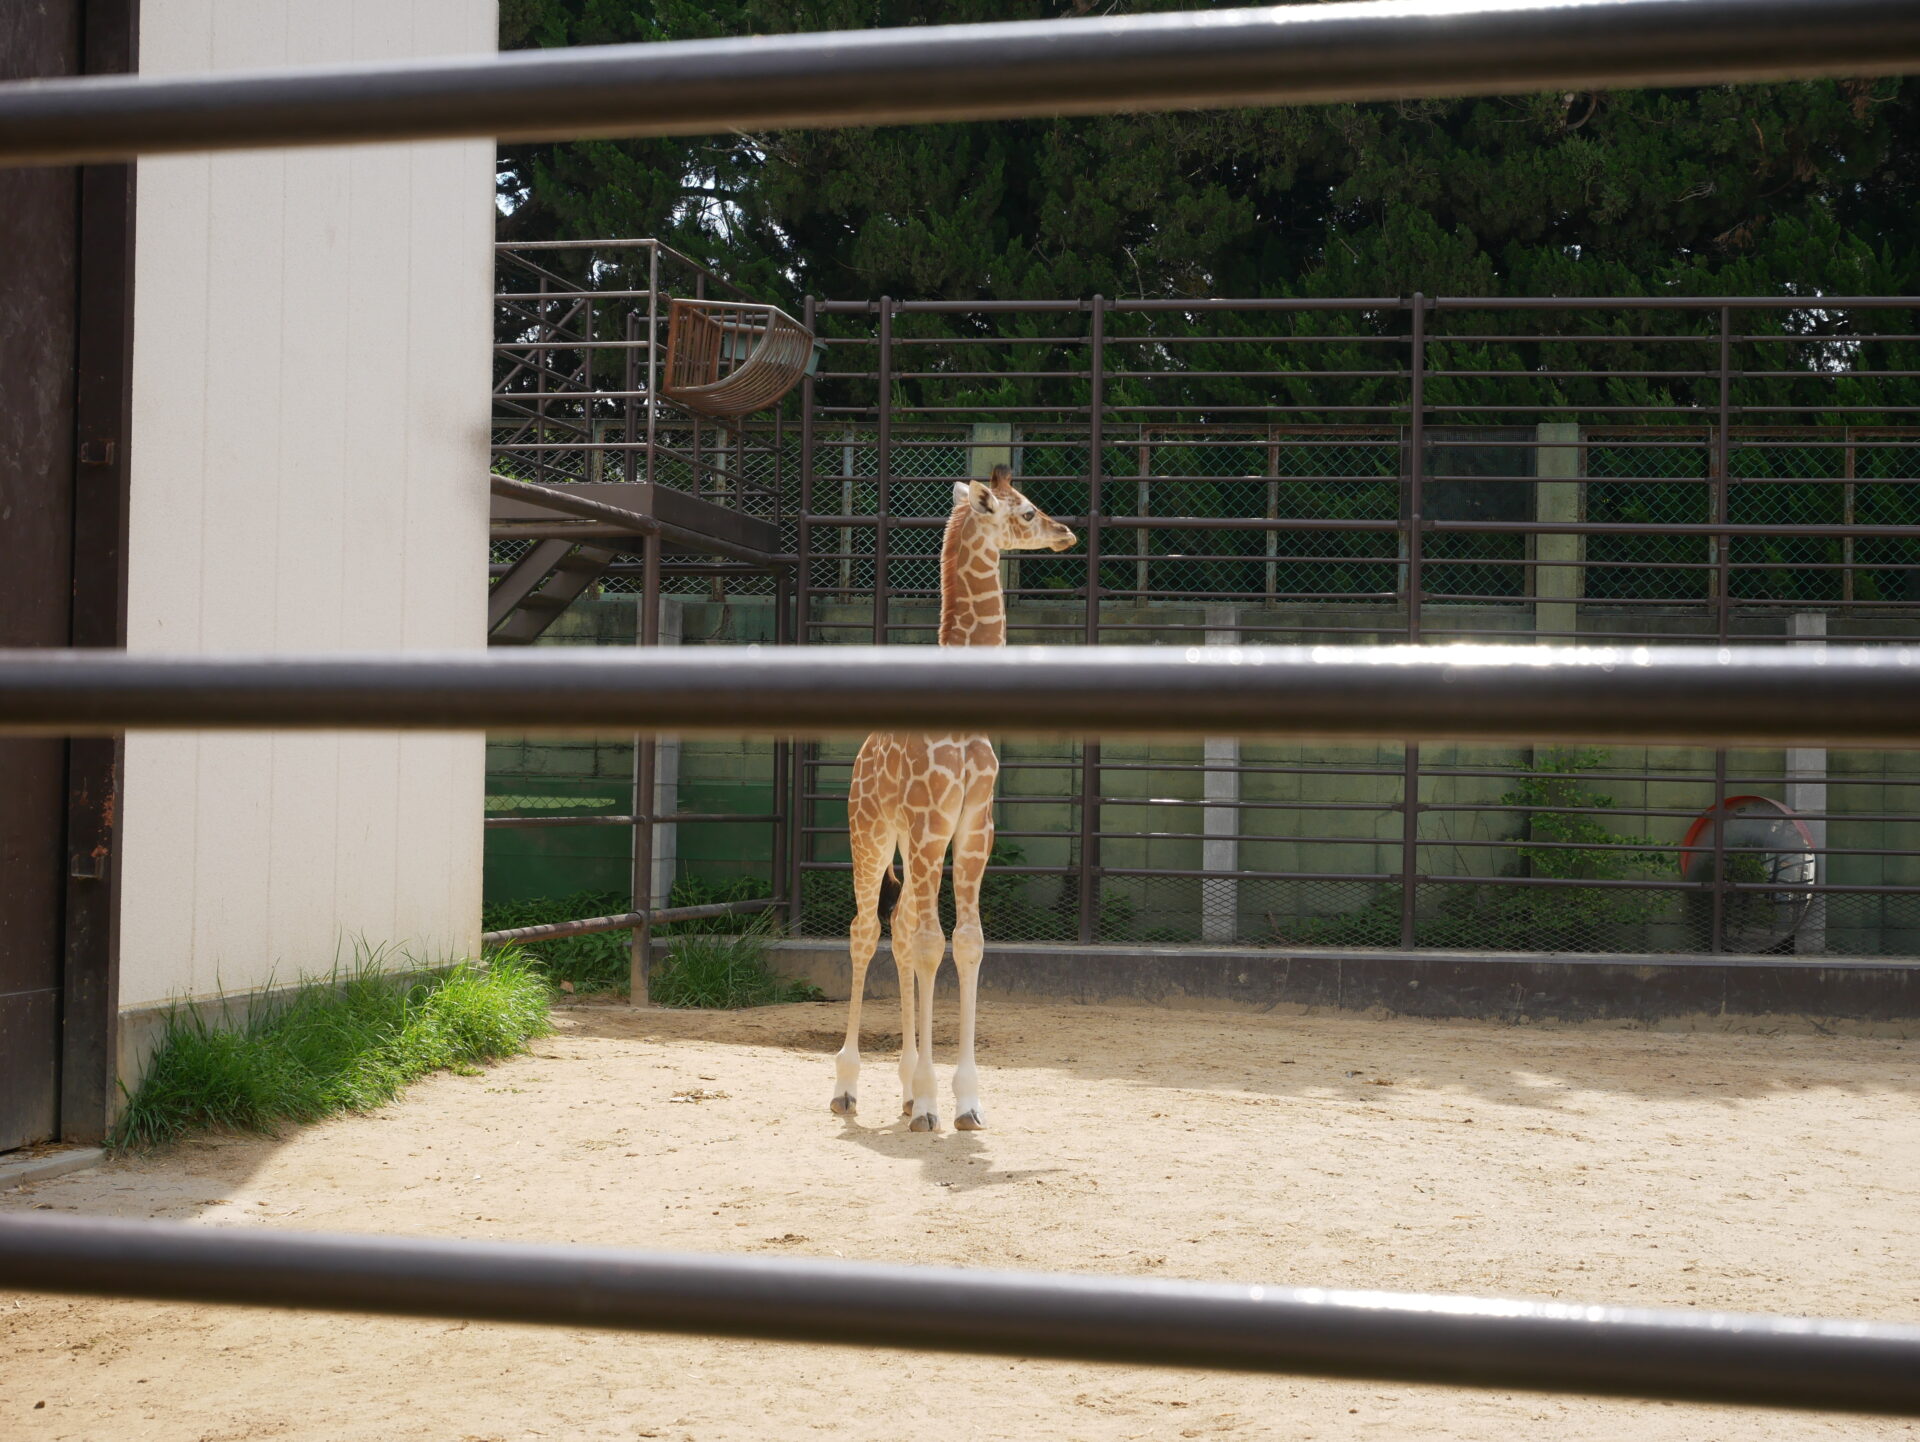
(870, 855)
(917, 948)
(925, 1102)
(972, 846)
(846, 1064)
(967, 950)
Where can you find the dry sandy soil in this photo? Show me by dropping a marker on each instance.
(1766, 1173)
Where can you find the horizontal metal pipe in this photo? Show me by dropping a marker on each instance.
(1391, 49)
(1732, 696)
(527, 823)
(626, 921)
(1850, 1366)
(677, 818)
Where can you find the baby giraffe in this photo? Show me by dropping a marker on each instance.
(914, 793)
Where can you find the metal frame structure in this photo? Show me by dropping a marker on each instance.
(1745, 386)
(1447, 547)
(580, 357)
(921, 74)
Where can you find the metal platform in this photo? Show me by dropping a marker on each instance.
(683, 520)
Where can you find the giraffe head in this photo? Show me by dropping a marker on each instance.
(1012, 522)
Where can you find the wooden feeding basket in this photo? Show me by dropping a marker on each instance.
(726, 358)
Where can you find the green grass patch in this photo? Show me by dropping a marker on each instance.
(591, 963)
(719, 962)
(724, 972)
(342, 1043)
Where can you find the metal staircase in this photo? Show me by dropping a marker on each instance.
(551, 576)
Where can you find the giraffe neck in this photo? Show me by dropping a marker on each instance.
(973, 611)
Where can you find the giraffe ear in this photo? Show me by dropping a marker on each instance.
(976, 494)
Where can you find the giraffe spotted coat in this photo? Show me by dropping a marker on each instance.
(916, 794)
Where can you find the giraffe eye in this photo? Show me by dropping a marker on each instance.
(1027, 516)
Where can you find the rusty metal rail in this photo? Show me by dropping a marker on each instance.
(629, 921)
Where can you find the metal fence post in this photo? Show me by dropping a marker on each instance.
(883, 493)
(803, 752)
(1090, 778)
(1723, 614)
(653, 352)
(783, 753)
(640, 961)
(1416, 465)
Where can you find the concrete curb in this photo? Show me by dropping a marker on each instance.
(46, 1164)
(1688, 992)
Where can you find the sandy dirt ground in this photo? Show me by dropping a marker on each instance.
(1766, 1173)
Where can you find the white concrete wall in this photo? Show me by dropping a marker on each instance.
(309, 452)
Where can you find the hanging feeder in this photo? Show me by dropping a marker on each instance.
(727, 358)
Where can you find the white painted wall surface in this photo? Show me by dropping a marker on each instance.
(309, 453)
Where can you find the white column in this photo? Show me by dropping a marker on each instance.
(1556, 586)
(1220, 851)
(1807, 791)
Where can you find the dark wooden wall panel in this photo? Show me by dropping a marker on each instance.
(39, 259)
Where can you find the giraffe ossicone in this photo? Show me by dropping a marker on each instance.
(913, 795)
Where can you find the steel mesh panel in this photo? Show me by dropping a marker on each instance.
(1644, 479)
(1190, 436)
(1885, 492)
(1870, 925)
(1490, 917)
(1014, 907)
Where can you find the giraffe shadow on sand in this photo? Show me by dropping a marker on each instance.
(958, 1161)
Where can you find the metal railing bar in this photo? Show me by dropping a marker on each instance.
(955, 340)
(683, 817)
(1443, 773)
(628, 920)
(947, 868)
(1690, 1355)
(511, 823)
(1694, 302)
(1281, 55)
(1731, 696)
(1195, 873)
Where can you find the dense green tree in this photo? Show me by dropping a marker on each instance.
(1722, 190)
(1806, 188)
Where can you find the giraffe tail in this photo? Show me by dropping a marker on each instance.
(889, 891)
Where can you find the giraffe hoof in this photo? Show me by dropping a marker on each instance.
(844, 1106)
(906, 1109)
(925, 1122)
(969, 1122)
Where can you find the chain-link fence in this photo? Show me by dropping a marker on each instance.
(1276, 473)
(1592, 477)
